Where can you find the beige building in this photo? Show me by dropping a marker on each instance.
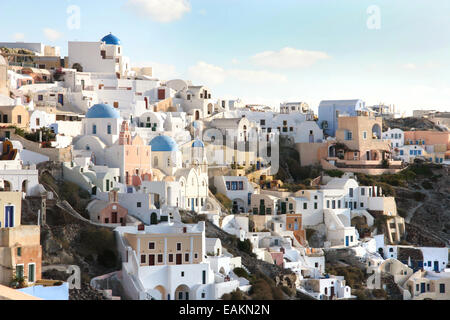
(426, 285)
(168, 245)
(20, 248)
(358, 148)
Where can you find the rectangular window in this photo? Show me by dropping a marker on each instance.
(348, 135)
(350, 192)
(170, 257)
(19, 119)
(139, 204)
(19, 271)
(363, 191)
(19, 251)
(328, 204)
(186, 257)
(179, 246)
(160, 258)
(228, 185)
(161, 94)
(305, 206)
(442, 288)
(31, 272)
(143, 258)
(151, 245)
(204, 277)
(315, 205)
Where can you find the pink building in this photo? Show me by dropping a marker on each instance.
(277, 258)
(428, 138)
(137, 157)
(108, 212)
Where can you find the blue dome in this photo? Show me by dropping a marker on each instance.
(102, 111)
(111, 39)
(198, 144)
(163, 143)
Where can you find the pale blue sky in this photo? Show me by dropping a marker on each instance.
(213, 42)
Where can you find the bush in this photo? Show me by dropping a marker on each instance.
(264, 288)
(235, 295)
(245, 246)
(360, 294)
(379, 293)
(388, 190)
(288, 291)
(354, 277)
(427, 185)
(224, 200)
(94, 240)
(334, 173)
(74, 195)
(107, 258)
(240, 272)
(419, 196)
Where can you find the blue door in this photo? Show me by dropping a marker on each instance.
(192, 204)
(436, 266)
(346, 241)
(422, 287)
(9, 216)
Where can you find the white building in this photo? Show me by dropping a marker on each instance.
(104, 56)
(169, 261)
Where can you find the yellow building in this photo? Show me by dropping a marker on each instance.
(17, 116)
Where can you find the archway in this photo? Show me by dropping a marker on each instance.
(332, 151)
(6, 185)
(154, 218)
(210, 109)
(162, 290)
(24, 186)
(376, 131)
(182, 292)
(197, 115)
